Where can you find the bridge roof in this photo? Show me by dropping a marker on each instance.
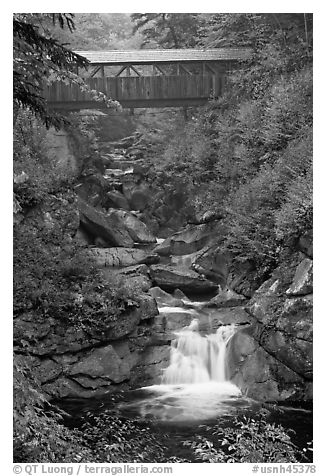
(116, 57)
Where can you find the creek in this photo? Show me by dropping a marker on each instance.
(195, 393)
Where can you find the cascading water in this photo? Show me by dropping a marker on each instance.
(194, 386)
(196, 358)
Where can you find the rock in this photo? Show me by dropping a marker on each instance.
(115, 199)
(136, 228)
(226, 316)
(134, 278)
(305, 243)
(242, 278)
(118, 256)
(210, 215)
(150, 362)
(170, 278)
(105, 225)
(185, 261)
(82, 237)
(258, 374)
(303, 279)
(139, 198)
(187, 241)
(227, 298)
(165, 299)
(46, 370)
(213, 264)
(102, 362)
(280, 367)
(177, 293)
(168, 321)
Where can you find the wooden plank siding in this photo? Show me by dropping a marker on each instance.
(140, 91)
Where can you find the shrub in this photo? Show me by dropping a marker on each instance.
(249, 441)
(39, 435)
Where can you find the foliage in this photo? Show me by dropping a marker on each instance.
(99, 31)
(248, 441)
(55, 278)
(35, 174)
(167, 30)
(116, 439)
(39, 435)
(37, 56)
(249, 153)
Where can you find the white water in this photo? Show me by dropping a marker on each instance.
(194, 386)
(198, 359)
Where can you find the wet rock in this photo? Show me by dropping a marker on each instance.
(118, 256)
(170, 278)
(165, 299)
(148, 369)
(167, 323)
(105, 225)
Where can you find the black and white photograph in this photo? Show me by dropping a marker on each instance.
(162, 242)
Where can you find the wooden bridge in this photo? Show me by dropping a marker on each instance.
(149, 78)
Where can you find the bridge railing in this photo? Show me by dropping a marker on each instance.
(140, 88)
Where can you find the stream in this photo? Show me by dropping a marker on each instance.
(194, 395)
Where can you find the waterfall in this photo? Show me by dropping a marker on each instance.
(198, 359)
(194, 386)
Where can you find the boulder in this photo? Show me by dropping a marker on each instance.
(107, 226)
(226, 298)
(170, 278)
(303, 279)
(165, 299)
(168, 321)
(305, 243)
(101, 362)
(135, 278)
(139, 197)
(213, 264)
(260, 375)
(189, 240)
(185, 261)
(136, 228)
(115, 199)
(242, 278)
(118, 256)
(280, 366)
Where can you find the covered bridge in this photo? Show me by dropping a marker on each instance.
(149, 78)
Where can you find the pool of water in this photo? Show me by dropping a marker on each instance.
(175, 413)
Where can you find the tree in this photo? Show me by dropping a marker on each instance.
(99, 31)
(37, 58)
(167, 30)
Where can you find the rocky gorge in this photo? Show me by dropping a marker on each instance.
(149, 241)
